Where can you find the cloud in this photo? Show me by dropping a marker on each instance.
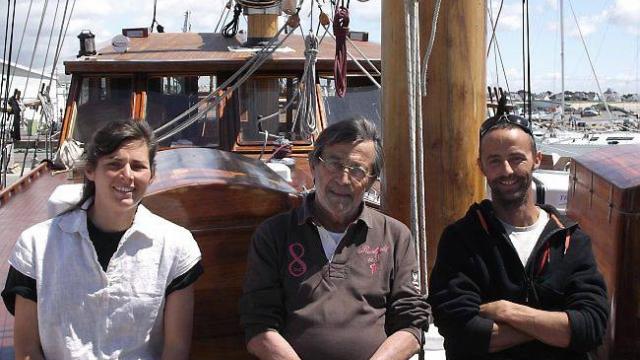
(626, 13)
(553, 4)
(589, 24)
(510, 17)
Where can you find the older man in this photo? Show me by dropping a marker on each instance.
(512, 279)
(334, 279)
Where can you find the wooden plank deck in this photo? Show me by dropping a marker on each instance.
(24, 209)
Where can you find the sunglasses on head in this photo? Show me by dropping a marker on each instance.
(497, 120)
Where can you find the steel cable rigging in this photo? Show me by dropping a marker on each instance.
(24, 31)
(4, 154)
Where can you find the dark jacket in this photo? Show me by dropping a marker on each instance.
(343, 308)
(477, 264)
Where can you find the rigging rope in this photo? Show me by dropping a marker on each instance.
(325, 21)
(494, 26)
(35, 47)
(499, 53)
(341, 30)
(154, 21)
(231, 29)
(222, 91)
(24, 30)
(307, 106)
(593, 70)
(224, 15)
(432, 40)
(60, 40)
(5, 116)
(41, 90)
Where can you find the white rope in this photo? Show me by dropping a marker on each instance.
(248, 69)
(307, 106)
(432, 39)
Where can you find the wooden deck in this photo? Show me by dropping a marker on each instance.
(25, 208)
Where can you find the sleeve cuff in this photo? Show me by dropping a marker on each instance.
(251, 331)
(477, 334)
(583, 337)
(414, 331)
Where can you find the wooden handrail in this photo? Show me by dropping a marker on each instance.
(22, 183)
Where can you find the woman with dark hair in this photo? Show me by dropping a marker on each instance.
(107, 278)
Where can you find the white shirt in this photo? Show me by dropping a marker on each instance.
(87, 313)
(330, 241)
(524, 239)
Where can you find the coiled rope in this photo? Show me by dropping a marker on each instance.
(307, 106)
(231, 29)
(341, 30)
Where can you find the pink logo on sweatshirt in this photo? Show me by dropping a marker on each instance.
(373, 255)
(297, 267)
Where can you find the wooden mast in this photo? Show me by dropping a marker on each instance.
(452, 113)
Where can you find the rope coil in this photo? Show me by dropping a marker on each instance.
(307, 107)
(340, 31)
(231, 29)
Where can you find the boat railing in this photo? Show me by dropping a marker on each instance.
(22, 184)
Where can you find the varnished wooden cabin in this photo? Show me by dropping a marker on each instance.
(604, 196)
(208, 178)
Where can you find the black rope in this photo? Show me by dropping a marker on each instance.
(231, 29)
(153, 21)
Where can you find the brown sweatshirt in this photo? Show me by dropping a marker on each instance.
(343, 309)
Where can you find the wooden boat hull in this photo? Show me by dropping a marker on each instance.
(221, 198)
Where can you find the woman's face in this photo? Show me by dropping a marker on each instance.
(121, 178)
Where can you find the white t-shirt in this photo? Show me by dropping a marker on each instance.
(524, 239)
(87, 313)
(330, 241)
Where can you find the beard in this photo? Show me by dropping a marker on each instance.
(512, 199)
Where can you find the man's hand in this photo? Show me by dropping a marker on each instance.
(550, 327)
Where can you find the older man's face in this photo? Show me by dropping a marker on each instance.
(338, 193)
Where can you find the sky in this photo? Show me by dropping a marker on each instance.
(611, 29)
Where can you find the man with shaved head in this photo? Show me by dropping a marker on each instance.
(512, 279)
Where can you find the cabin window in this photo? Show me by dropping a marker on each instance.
(262, 97)
(101, 100)
(359, 101)
(168, 97)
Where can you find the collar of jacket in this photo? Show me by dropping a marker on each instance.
(76, 221)
(487, 218)
(305, 212)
